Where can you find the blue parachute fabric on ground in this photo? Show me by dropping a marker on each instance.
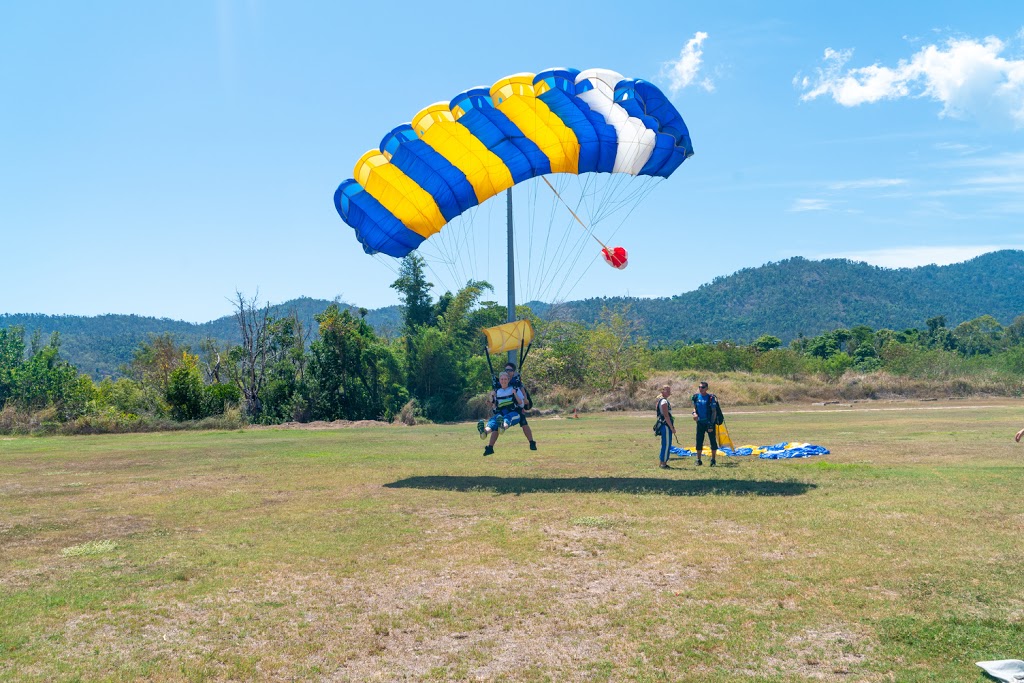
(376, 228)
(792, 451)
(689, 453)
(779, 451)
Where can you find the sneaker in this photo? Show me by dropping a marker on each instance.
(664, 466)
(488, 450)
(712, 462)
(699, 463)
(480, 428)
(533, 445)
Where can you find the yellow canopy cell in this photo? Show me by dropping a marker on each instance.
(398, 193)
(485, 171)
(516, 97)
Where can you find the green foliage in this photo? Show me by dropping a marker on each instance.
(185, 394)
(720, 357)
(414, 292)
(780, 362)
(766, 342)
(352, 374)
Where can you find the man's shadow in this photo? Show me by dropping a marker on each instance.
(634, 485)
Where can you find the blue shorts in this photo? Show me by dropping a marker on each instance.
(510, 419)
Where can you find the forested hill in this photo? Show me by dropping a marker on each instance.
(800, 296)
(100, 345)
(784, 299)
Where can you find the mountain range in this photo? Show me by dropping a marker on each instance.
(787, 298)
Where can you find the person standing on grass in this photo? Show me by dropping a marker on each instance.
(508, 412)
(705, 414)
(667, 426)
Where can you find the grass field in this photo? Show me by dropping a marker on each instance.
(389, 553)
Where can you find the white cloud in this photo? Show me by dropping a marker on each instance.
(969, 77)
(685, 71)
(866, 184)
(810, 205)
(909, 257)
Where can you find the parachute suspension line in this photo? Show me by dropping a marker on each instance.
(582, 224)
(545, 259)
(644, 192)
(386, 262)
(558, 255)
(572, 248)
(512, 356)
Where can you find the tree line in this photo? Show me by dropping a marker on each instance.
(434, 367)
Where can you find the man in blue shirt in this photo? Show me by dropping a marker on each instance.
(705, 414)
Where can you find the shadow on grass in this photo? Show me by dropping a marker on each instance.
(635, 485)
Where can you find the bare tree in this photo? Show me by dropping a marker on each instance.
(250, 359)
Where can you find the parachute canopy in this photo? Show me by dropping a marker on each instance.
(509, 337)
(456, 155)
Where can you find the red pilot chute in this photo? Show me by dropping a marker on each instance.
(615, 257)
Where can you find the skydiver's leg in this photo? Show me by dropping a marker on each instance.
(701, 432)
(666, 444)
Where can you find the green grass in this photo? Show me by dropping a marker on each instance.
(383, 553)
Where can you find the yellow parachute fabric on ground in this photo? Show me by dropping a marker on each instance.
(722, 436)
(508, 337)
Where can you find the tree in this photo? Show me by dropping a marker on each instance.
(414, 292)
(617, 356)
(766, 342)
(185, 394)
(249, 360)
(352, 374)
(980, 336)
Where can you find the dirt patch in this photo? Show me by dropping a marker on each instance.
(322, 425)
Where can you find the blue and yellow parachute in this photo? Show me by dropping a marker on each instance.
(455, 155)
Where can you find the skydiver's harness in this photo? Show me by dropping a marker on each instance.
(660, 422)
(715, 415)
(505, 404)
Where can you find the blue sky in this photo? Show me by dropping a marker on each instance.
(159, 156)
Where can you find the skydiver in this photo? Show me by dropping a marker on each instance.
(508, 412)
(705, 414)
(666, 426)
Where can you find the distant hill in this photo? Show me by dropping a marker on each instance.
(785, 299)
(800, 296)
(100, 345)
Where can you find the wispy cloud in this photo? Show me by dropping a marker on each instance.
(685, 71)
(810, 205)
(969, 77)
(909, 257)
(866, 184)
